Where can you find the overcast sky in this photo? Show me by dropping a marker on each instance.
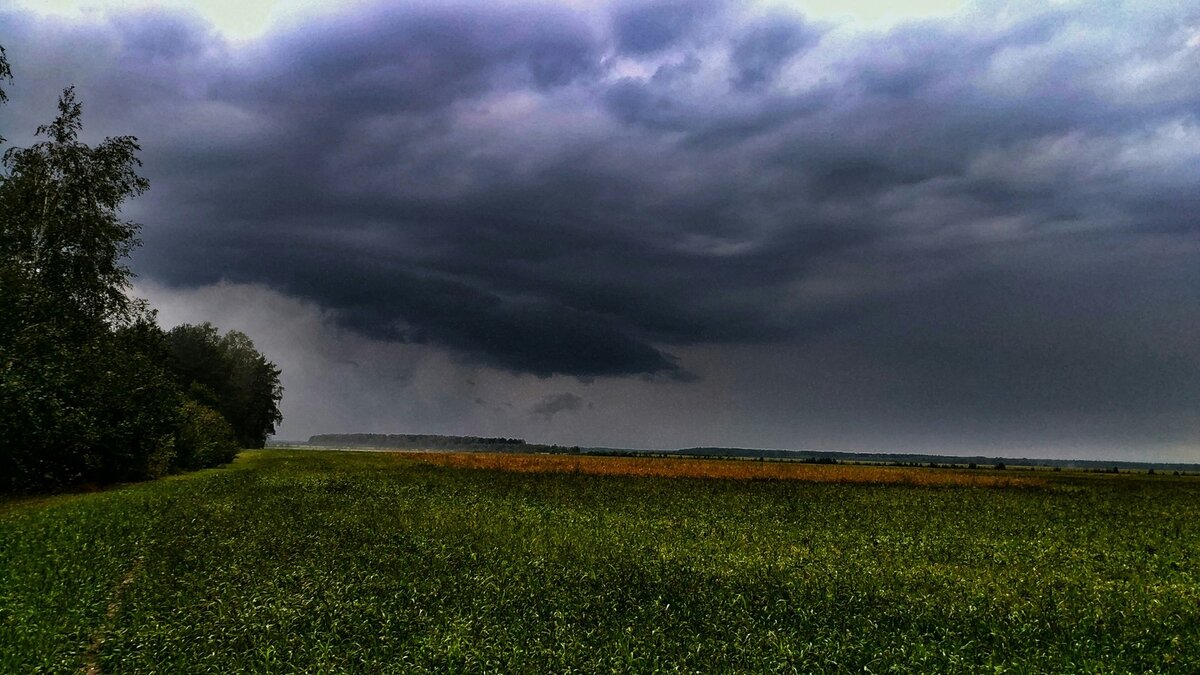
(966, 228)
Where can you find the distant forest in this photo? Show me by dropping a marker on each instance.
(918, 459)
(482, 444)
(421, 442)
(92, 390)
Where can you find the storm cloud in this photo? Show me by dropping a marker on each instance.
(553, 404)
(988, 221)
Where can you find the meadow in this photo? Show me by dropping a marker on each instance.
(295, 561)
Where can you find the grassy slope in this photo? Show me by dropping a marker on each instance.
(329, 562)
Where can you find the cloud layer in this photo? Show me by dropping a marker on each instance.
(989, 218)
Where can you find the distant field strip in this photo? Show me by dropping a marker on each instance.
(734, 469)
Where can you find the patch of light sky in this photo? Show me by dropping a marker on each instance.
(248, 19)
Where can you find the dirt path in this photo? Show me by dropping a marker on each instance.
(91, 663)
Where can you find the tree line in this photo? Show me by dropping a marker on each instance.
(415, 441)
(92, 390)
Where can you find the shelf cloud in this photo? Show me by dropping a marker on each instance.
(990, 218)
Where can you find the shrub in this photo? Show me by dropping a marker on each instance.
(204, 437)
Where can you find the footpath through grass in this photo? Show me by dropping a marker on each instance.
(312, 562)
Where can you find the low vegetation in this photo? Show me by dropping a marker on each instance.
(313, 561)
(669, 467)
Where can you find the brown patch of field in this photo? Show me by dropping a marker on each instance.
(680, 467)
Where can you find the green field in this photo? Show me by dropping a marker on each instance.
(293, 561)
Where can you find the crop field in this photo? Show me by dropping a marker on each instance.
(677, 467)
(329, 562)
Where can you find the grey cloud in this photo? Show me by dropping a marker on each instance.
(686, 66)
(633, 102)
(159, 36)
(649, 27)
(660, 104)
(490, 181)
(760, 51)
(553, 404)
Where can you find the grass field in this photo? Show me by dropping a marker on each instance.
(295, 561)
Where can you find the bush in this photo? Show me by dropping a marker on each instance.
(204, 437)
(161, 460)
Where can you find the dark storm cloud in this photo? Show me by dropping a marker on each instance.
(994, 213)
(394, 61)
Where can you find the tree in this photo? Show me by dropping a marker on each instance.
(228, 374)
(77, 400)
(5, 75)
(61, 229)
(255, 390)
(90, 387)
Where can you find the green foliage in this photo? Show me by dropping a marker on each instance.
(100, 410)
(227, 373)
(78, 400)
(373, 563)
(61, 233)
(5, 76)
(205, 438)
(85, 392)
